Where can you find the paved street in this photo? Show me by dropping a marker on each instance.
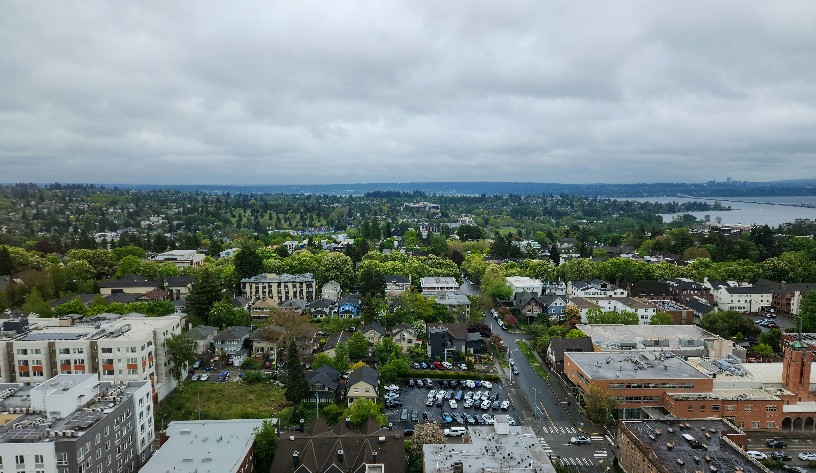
(553, 419)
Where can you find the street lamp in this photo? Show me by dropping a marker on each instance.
(535, 402)
(162, 423)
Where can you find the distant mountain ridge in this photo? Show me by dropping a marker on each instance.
(709, 189)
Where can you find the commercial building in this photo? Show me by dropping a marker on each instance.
(280, 288)
(432, 286)
(74, 423)
(680, 314)
(644, 310)
(594, 289)
(668, 446)
(524, 284)
(743, 299)
(181, 258)
(638, 379)
(120, 348)
(225, 446)
(681, 340)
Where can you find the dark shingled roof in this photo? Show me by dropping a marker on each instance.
(457, 330)
(373, 326)
(561, 345)
(178, 281)
(121, 297)
(317, 451)
(364, 373)
(650, 287)
(325, 375)
(396, 279)
(130, 280)
(232, 333)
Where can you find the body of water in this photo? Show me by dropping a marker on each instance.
(758, 211)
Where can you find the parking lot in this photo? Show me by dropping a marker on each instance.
(414, 402)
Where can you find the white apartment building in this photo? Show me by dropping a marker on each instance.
(594, 289)
(432, 286)
(181, 258)
(742, 299)
(523, 283)
(120, 348)
(280, 288)
(644, 310)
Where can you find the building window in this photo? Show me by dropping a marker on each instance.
(730, 408)
(20, 460)
(770, 424)
(702, 407)
(715, 408)
(770, 408)
(690, 408)
(755, 424)
(748, 408)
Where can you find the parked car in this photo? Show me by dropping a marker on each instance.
(458, 417)
(463, 366)
(197, 364)
(411, 383)
(505, 405)
(495, 405)
(454, 431)
(516, 371)
(468, 403)
(807, 456)
(487, 384)
(489, 419)
(414, 416)
(448, 366)
(204, 377)
(447, 417)
(420, 384)
(432, 393)
(458, 395)
(511, 421)
(580, 440)
(780, 456)
(438, 365)
(794, 469)
(470, 419)
(452, 404)
(776, 443)
(391, 387)
(756, 454)
(485, 405)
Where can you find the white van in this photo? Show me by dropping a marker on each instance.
(455, 431)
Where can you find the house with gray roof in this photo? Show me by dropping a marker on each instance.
(324, 383)
(231, 339)
(559, 346)
(363, 383)
(203, 336)
(373, 332)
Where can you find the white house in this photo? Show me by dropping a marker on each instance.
(743, 299)
(432, 286)
(524, 284)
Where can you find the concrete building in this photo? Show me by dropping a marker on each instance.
(181, 258)
(681, 315)
(500, 447)
(681, 340)
(457, 304)
(280, 288)
(594, 289)
(75, 423)
(638, 379)
(524, 284)
(743, 299)
(120, 348)
(668, 446)
(432, 286)
(225, 446)
(644, 310)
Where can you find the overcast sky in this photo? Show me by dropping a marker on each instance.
(303, 92)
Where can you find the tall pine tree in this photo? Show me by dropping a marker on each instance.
(297, 387)
(203, 295)
(6, 265)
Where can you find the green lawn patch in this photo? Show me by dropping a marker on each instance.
(527, 350)
(230, 400)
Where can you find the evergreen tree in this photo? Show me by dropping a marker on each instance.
(6, 265)
(297, 387)
(555, 254)
(35, 303)
(203, 295)
(247, 261)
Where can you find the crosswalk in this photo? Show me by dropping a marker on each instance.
(544, 445)
(559, 430)
(576, 461)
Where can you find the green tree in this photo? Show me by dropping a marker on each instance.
(265, 446)
(576, 333)
(247, 262)
(129, 250)
(772, 338)
(595, 316)
(222, 314)
(6, 265)
(763, 349)
(357, 346)
(363, 409)
(393, 369)
(204, 293)
(337, 267)
(661, 318)
(371, 279)
(728, 323)
(386, 349)
(410, 239)
(181, 352)
(807, 310)
(297, 387)
(494, 283)
(600, 406)
(34, 303)
(322, 359)
(74, 306)
(341, 360)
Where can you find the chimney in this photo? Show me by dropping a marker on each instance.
(458, 467)
(374, 456)
(302, 425)
(295, 459)
(340, 456)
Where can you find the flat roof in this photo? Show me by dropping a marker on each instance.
(518, 451)
(732, 395)
(718, 454)
(672, 337)
(204, 445)
(632, 365)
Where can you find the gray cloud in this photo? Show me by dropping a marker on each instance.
(321, 92)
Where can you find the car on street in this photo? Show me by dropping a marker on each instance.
(487, 384)
(429, 402)
(463, 366)
(516, 371)
(512, 362)
(392, 387)
(757, 455)
(489, 420)
(197, 364)
(780, 456)
(776, 443)
(204, 377)
(511, 421)
(794, 469)
(807, 456)
(580, 440)
(505, 405)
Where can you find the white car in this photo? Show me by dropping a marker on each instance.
(204, 377)
(505, 405)
(756, 454)
(470, 383)
(487, 384)
(486, 405)
(468, 403)
(512, 362)
(807, 456)
(392, 387)
(447, 365)
(432, 393)
(511, 421)
(452, 404)
(489, 420)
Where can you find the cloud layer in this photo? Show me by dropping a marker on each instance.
(257, 92)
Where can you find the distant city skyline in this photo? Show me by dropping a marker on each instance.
(420, 91)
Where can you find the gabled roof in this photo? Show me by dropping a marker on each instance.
(366, 374)
(201, 332)
(373, 326)
(747, 290)
(352, 299)
(296, 304)
(457, 330)
(325, 375)
(121, 297)
(232, 333)
(396, 279)
(178, 281)
(322, 304)
(86, 299)
(403, 327)
(650, 287)
(264, 304)
(155, 295)
(130, 280)
(239, 301)
(264, 333)
(334, 339)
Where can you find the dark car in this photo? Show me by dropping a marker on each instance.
(495, 405)
(780, 456)
(516, 371)
(776, 443)
(480, 420)
(411, 383)
(408, 432)
(794, 469)
(459, 417)
(448, 395)
(425, 416)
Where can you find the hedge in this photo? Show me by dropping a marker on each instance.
(439, 374)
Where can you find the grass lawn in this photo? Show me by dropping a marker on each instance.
(527, 350)
(230, 400)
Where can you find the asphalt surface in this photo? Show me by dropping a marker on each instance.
(551, 411)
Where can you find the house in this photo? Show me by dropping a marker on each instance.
(363, 383)
(349, 306)
(786, 297)
(266, 342)
(396, 284)
(203, 336)
(334, 340)
(445, 339)
(322, 308)
(530, 305)
(651, 289)
(178, 286)
(86, 299)
(128, 284)
(404, 336)
(262, 308)
(559, 346)
(434, 285)
(594, 289)
(457, 304)
(180, 258)
(373, 332)
(324, 384)
(331, 291)
(240, 356)
(367, 449)
(297, 305)
(240, 302)
(231, 339)
(743, 299)
(524, 284)
(157, 294)
(475, 344)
